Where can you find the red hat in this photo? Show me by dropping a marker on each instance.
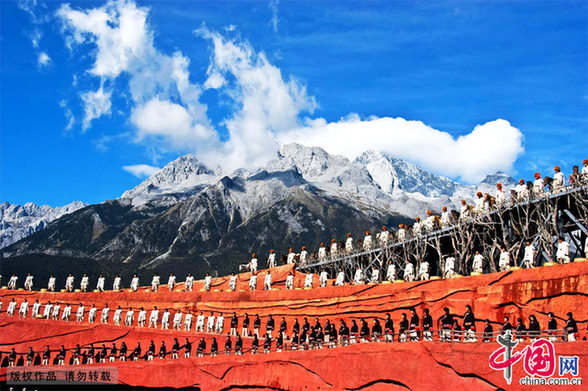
(383, 227)
(444, 208)
(349, 235)
(322, 244)
(400, 225)
(290, 249)
(499, 185)
(585, 161)
(333, 240)
(272, 250)
(253, 255)
(418, 218)
(556, 168)
(537, 175)
(479, 194)
(463, 202)
(429, 212)
(522, 181)
(304, 247)
(367, 232)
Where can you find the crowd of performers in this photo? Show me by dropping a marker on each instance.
(447, 328)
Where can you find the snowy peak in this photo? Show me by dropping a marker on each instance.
(393, 174)
(488, 185)
(19, 221)
(312, 162)
(179, 176)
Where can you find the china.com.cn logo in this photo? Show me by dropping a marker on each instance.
(538, 358)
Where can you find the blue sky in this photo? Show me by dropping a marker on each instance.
(317, 72)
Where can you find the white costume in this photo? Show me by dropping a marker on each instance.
(80, 314)
(303, 256)
(56, 309)
(83, 283)
(367, 242)
(267, 282)
(308, 281)
(24, 309)
(189, 283)
(36, 309)
(375, 275)
(424, 271)
(233, 283)
(100, 284)
(253, 265)
(401, 234)
(449, 267)
(290, 259)
(323, 277)
(171, 282)
(142, 318)
(417, 228)
(210, 324)
(153, 318)
(430, 223)
(349, 245)
(12, 282)
(504, 261)
(178, 321)
(358, 277)
(66, 313)
(135, 284)
(207, 282)
(104, 316)
(253, 282)
(522, 191)
(48, 310)
(116, 284)
(11, 308)
(478, 263)
(322, 253)
(28, 285)
(445, 219)
(529, 257)
(558, 180)
(391, 272)
(117, 317)
(188, 322)
(271, 260)
(384, 236)
(340, 281)
(92, 315)
(500, 197)
(155, 283)
(479, 205)
(290, 282)
(165, 320)
(563, 252)
(220, 324)
(409, 272)
(69, 283)
(334, 249)
(129, 317)
(538, 187)
(51, 284)
(200, 323)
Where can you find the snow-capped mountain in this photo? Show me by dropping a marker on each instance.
(19, 221)
(177, 179)
(373, 182)
(190, 217)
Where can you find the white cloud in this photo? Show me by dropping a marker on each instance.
(273, 6)
(141, 170)
(71, 119)
(43, 59)
(486, 149)
(96, 103)
(266, 104)
(268, 108)
(124, 45)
